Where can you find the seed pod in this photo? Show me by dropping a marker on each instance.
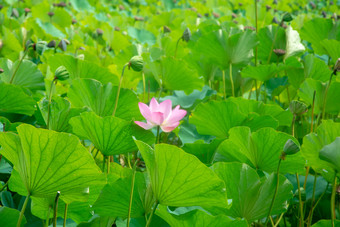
(324, 14)
(240, 4)
(199, 15)
(1, 70)
(51, 44)
(297, 107)
(136, 63)
(268, 7)
(312, 4)
(74, 21)
(287, 17)
(249, 28)
(279, 52)
(61, 4)
(206, 14)
(15, 13)
(166, 29)
(275, 2)
(290, 148)
(40, 47)
(61, 74)
(1, 6)
(233, 15)
(81, 48)
(99, 32)
(186, 35)
(50, 14)
(216, 15)
(1, 44)
(117, 28)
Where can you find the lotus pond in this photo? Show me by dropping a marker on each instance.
(169, 113)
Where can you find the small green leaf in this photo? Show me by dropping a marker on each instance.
(9, 217)
(331, 154)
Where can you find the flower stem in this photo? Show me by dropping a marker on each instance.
(224, 89)
(131, 192)
(143, 86)
(325, 96)
(333, 199)
(108, 164)
(118, 91)
(157, 138)
(65, 215)
(152, 213)
(17, 68)
(231, 79)
(300, 200)
(177, 46)
(49, 105)
(312, 203)
(275, 192)
(23, 210)
(56, 209)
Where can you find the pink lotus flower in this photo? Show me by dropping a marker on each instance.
(160, 115)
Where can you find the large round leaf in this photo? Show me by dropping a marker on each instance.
(261, 150)
(46, 162)
(251, 194)
(9, 217)
(180, 179)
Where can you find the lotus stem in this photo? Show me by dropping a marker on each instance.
(23, 210)
(300, 200)
(143, 75)
(275, 192)
(56, 200)
(325, 96)
(131, 192)
(312, 204)
(224, 89)
(65, 215)
(108, 164)
(177, 46)
(48, 217)
(157, 139)
(231, 79)
(17, 68)
(49, 104)
(118, 91)
(152, 213)
(333, 199)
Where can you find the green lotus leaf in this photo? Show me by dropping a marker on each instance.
(9, 217)
(180, 179)
(261, 150)
(251, 194)
(46, 162)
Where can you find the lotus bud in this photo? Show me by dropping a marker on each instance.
(186, 35)
(40, 47)
(63, 44)
(290, 148)
(136, 63)
(27, 10)
(50, 14)
(15, 13)
(61, 74)
(279, 52)
(51, 44)
(1, 70)
(312, 4)
(287, 17)
(303, 194)
(166, 29)
(275, 21)
(337, 66)
(297, 107)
